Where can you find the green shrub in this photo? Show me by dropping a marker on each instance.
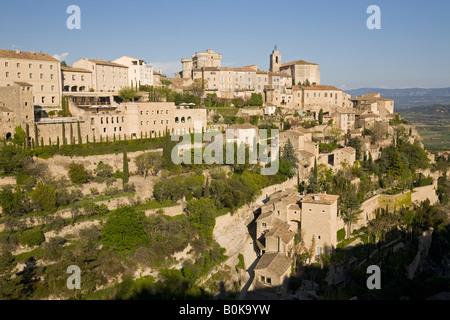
(32, 237)
(78, 174)
(341, 235)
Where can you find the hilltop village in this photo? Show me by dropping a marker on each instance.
(87, 179)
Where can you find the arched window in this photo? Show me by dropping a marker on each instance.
(177, 120)
(183, 120)
(189, 120)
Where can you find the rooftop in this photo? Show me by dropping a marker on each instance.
(70, 69)
(276, 263)
(107, 63)
(298, 62)
(327, 199)
(17, 54)
(23, 84)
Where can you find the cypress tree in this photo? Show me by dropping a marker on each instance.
(36, 135)
(80, 140)
(57, 141)
(71, 135)
(126, 173)
(42, 141)
(64, 134)
(27, 128)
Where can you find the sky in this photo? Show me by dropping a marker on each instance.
(412, 48)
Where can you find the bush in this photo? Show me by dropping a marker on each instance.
(341, 235)
(78, 174)
(32, 237)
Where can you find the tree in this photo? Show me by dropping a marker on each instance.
(128, 94)
(78, 174)
(288, 155)
(314, 186)
(200, 214)
(80, 141)
(356, 143)
(12, 159)
(20, 136)
(307, 83)
(349, 207)
(12, 202)
(126, 173)
(124, 230)
(256, 100)
(321, 116)
(45, 197)
(148, 161)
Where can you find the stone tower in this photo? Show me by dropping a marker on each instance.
(275, 61)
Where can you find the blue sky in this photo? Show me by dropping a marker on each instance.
(412, 49)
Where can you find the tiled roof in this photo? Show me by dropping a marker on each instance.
(70, 69)
(5, 109)
(348, 150)
(275, 263)
(321, 87)
(323, 199)
(298, 62)
(106, 63)
(283, 233)
(27, 55)
(23, 84)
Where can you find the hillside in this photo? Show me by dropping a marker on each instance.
(411, 97)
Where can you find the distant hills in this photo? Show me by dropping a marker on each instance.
(412, 97)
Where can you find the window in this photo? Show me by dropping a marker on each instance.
(53, 88)
(41, 76)
(92, 121)
(142, 123)
(26, 105)
(18, 65)
(278, 213)
(30, 65)
(101, 120)
(51, 76)
(269, 281)
(73, 77)
(40, 66)
(43, 100)
(51, 67)
(7, 74)
(82, 78)
(319, 251)
(6, 64)
(263, 279)
(18, 75)
(264, 224)
(104, 130)
(53, 99)
(318, 238)
(167, 111)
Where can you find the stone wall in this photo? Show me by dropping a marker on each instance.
(422, 193)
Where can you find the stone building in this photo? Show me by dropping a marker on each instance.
(302, 71)
(139, 73)
(16, 108)
(40, 70)
(106, 76)
(206, 59)
(375, 104)
(76, 80)
(319, 222)
(272, 272)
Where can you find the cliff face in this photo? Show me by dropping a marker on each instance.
(422, 252)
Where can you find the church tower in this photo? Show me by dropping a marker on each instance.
(275, 60)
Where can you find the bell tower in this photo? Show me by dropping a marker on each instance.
(275, 60)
